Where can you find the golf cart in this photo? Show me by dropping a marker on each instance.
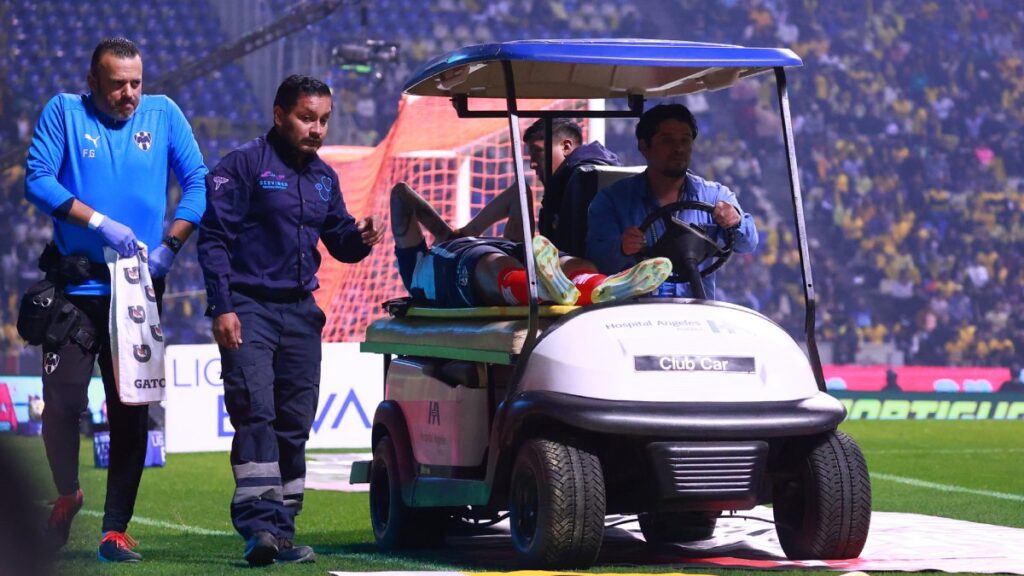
(676, 410)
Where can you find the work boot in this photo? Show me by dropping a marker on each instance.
(58, 527)
(641, 279)
(117, 547)
(289, 553)
(261, 549)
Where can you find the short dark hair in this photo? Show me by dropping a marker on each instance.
(647, 127)
(561, 128)
(296, 86)
(123, 48)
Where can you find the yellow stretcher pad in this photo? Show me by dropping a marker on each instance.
(492, 334)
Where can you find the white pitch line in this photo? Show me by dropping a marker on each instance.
(945, 487)
(164, 524)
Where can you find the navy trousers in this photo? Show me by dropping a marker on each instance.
(271, 385)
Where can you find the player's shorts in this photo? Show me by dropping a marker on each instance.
(443, 275)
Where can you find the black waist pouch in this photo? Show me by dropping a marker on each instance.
(46, 317)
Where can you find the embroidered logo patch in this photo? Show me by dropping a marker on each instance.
(143, 140)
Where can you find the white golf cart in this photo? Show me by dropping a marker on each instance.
(675, 410)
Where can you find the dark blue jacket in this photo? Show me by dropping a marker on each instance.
(556, 214)
(263, 220)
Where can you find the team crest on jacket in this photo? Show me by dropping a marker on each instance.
(142, 352)
(157, 331)
(150, 294)
(137, 314)
(131, 274)
(143, 140)
(50, 362)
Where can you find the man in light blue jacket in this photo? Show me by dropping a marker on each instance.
(665, 136)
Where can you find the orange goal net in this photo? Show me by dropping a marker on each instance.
(456, 164)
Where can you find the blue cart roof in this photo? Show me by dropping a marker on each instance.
(594, 68)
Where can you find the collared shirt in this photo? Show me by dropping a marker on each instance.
(117, 167)
(628, 202)
(263, 220)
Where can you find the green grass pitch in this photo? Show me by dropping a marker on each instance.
(183, 525)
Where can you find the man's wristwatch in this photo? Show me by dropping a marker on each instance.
(173, 242)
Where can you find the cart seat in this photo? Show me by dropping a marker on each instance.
(493, 334)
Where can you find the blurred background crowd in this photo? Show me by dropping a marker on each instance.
(909, 120)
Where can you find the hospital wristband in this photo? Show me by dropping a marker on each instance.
(95, 220)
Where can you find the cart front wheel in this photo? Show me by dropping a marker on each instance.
(556, 505)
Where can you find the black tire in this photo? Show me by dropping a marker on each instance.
(824, 512)
(395, 525)
(666, 527)
(556, 505)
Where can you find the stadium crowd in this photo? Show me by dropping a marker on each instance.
(909, 121)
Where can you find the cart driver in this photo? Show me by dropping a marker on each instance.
(471, 271)
(665, 136)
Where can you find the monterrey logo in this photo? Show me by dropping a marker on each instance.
(150, 294)
(142, 352)
(157, 331)
(137, 314)
(143, 140)
(50, 362)
(132, 274)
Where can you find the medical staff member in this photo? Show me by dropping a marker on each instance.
(98, 165)
(270, 202)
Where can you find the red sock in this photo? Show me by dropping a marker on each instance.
(512, 285)
(586, 281)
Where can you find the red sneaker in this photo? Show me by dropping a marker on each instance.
(58, 527)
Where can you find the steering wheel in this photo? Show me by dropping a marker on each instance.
(683, 241)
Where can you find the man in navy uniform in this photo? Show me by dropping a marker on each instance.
(269, 203)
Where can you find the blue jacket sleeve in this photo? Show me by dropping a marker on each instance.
(746, 234)
(339, 233)
(45, 157)
(605, 226)
(227, 202)
(187, 163)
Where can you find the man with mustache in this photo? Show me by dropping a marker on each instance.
(665, 136)
(98, 164)
(270, 202)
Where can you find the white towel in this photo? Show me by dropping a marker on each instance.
(136, 337)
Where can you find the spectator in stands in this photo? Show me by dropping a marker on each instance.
(98, 164)
(470, 271)
(274, 192)
(665, 136)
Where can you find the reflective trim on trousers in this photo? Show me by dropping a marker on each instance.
(257, 481)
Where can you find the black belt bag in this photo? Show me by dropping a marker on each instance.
(45, 316)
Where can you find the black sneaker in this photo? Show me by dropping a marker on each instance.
(117, 547)
(289, 553)
(261, 549)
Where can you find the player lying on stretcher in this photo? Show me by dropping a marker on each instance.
(461, 271)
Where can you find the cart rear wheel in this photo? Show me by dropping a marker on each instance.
(396, 525)
(825, 510)
(557, 505)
